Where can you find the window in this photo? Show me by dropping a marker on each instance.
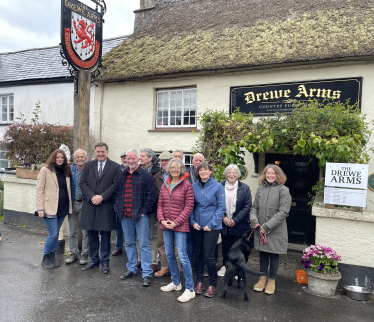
(4, 163)
(7, 108)
(176, 108)
(187, 160)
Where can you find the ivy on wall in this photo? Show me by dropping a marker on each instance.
(331, 131)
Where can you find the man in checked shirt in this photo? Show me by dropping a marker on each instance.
(135, 199)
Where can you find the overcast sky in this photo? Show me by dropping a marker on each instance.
(26, 24)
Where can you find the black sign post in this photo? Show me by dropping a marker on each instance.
(81, 36)
(266, 100)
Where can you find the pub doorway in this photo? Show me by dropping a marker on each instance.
(302, 174)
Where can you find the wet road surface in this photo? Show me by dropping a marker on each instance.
(29, 292)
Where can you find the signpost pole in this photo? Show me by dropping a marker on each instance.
(82, 111)
(81, 48)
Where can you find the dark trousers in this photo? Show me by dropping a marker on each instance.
(190, 246)
(205, 243)
(94, 245)
(227, 242)
(274, 264)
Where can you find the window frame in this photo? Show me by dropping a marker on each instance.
(182, 126)
(3, 151)
(8, 120)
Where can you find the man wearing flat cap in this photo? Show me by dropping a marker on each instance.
(160, 177)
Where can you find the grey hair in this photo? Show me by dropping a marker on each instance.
(178, 150)
(232, 166)
(199, 153)
(149, 152)
(133, 151)
(179, 163)
(85, 153)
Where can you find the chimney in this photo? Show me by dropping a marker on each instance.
(146, 7)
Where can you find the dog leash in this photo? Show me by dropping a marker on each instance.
(262, 235)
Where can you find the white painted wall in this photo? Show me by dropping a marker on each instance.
(128, 109)
(56, 101)
(19, 194)
(349, 233)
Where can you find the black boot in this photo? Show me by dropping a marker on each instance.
(46, 262)
(54, 260)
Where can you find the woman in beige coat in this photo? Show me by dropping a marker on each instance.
(270, 209)
(53, 201)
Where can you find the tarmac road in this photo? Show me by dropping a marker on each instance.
(29, 292)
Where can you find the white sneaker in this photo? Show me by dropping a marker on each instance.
(222, 271)
(171, 287)
(186, 296)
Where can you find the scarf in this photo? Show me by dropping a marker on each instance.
(230, 211)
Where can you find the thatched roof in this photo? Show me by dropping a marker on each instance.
(194, 35)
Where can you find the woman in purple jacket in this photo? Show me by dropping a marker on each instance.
(175, 204)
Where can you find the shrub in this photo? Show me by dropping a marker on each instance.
(330, 131)
(34, 142)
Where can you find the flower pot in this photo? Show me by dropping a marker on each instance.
(27, 173)
(323, 284)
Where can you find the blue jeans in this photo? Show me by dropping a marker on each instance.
(181, 240)
(119, 234)
(53, 225)
(129, 230)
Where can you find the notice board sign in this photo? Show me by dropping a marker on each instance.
(265, 100)
(346, 175)
(345, 197)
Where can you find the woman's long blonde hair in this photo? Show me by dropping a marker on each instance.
(280, 176)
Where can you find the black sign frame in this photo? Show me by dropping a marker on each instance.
(282, 96)
(88, 29)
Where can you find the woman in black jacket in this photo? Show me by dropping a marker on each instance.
(238, 204)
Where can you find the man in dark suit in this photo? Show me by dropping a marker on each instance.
(98, 183)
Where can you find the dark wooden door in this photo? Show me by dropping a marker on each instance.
(302, 174)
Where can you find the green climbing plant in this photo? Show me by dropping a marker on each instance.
(331, 131)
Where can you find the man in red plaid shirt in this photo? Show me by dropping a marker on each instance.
(135, 200)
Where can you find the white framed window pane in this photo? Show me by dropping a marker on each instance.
(4, 117)
(187, 159)
(3, 164)
(173, 107)
(11, 100)
(4, 100)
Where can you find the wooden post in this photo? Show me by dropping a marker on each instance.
(82, 112)
(81, 130)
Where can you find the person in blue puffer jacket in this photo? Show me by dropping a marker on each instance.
(206, 219)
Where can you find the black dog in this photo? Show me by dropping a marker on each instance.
(236, 264)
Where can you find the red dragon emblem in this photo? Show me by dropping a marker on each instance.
(82, 33)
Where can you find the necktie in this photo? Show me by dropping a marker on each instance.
(100, 169)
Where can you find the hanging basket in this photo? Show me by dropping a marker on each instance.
(323, 284)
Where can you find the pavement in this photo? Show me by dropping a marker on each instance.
(29, 292)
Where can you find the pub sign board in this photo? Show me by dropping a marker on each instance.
(346, 175)
(81, 34)
(266, 100)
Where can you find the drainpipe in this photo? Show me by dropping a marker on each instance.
(101, 111)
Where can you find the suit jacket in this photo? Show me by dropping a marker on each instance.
(47, 192)
(159, 181)
(99, 217)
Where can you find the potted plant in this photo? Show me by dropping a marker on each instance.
(321, 266)
(28, 171)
